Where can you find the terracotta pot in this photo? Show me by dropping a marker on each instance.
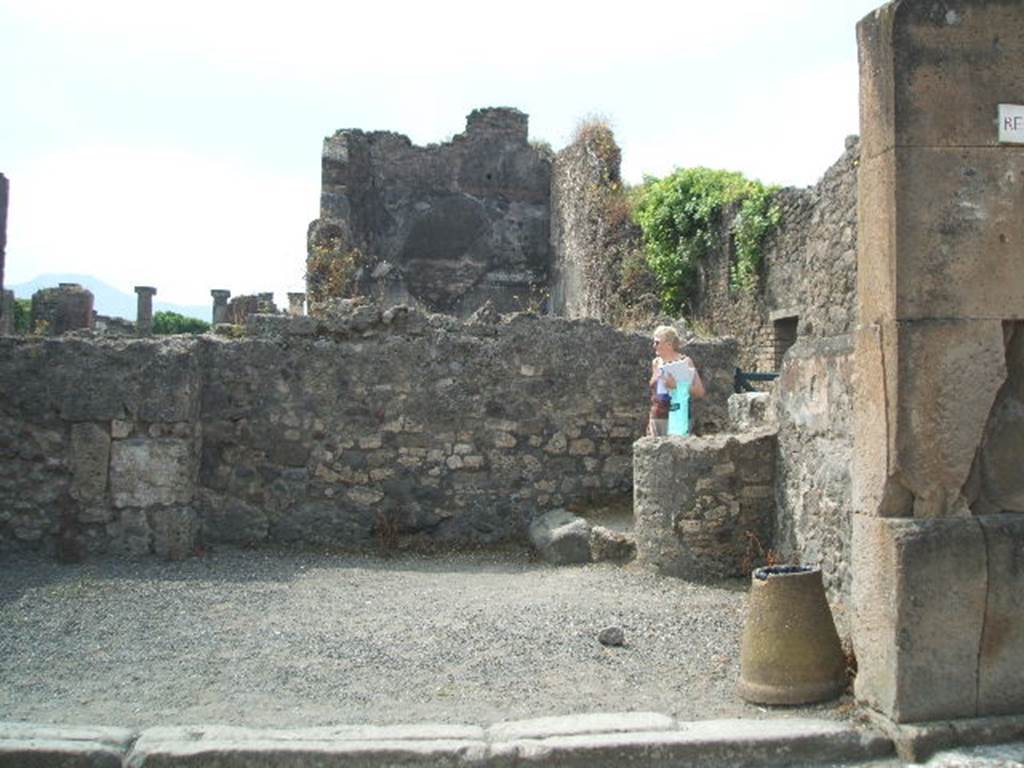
(790, 652)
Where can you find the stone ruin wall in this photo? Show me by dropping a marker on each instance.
(809, 270)
(445, 227)
(808, 273)
(591, 231)
(336, 431)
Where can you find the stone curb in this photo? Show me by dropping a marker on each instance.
(916, 742)
(595, 740)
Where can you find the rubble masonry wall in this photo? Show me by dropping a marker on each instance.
(331, 432)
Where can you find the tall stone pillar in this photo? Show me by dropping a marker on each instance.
(939, 617)
(144, 314)
(220, 305)
(296, 304)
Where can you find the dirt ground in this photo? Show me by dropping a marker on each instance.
(287, 639)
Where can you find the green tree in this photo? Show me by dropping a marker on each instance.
(681, 219)
(167, 323)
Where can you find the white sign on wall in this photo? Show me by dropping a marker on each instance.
(1011, 123)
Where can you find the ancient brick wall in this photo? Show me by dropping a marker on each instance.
(336, 430)
(445, 227)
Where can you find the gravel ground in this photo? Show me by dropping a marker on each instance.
(287, 639)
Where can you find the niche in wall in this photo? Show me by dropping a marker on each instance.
(783, 337)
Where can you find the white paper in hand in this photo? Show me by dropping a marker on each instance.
(681, 370)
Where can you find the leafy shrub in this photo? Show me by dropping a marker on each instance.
(167, 323)
(681, 219)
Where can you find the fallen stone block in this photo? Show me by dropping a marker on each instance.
(561, 538)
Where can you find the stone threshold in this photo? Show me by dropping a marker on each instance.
(591, 741)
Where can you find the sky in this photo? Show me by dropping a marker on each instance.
(178, 144)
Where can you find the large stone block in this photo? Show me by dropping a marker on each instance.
(919, 593)
(877, 91)
(1001, 661)
(949, 373)
(959, 232)
(1001, 479)
(145, 472)
(924, 393)
(174, 532)
(874, 490)
(932, 72)
(90, 460)
(154, 380)
(230, 520)
(876, 238)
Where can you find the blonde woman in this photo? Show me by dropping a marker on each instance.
(674, 380)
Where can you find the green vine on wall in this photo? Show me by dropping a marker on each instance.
(681, 219)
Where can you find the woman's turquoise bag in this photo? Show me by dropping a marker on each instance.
(679, 410)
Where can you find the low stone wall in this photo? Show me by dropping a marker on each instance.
(703, 506)
(351, 430)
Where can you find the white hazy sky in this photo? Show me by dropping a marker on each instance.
(178, 144)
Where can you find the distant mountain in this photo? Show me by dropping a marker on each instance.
(108, 300)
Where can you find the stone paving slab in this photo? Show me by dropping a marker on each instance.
(28, 745)
(916, 742)
(594, 741)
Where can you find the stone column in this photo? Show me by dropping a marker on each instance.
(220, 305)
(296, 304)
(144, 315)
(939, 617)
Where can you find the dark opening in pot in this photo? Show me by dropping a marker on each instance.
(781, 570)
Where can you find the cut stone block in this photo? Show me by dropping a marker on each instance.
(919, 594)
(174, 532)
(1001, 661)
(145, 472)
(923, 396)
(90, 460)
(959, 233)
(929, 72)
